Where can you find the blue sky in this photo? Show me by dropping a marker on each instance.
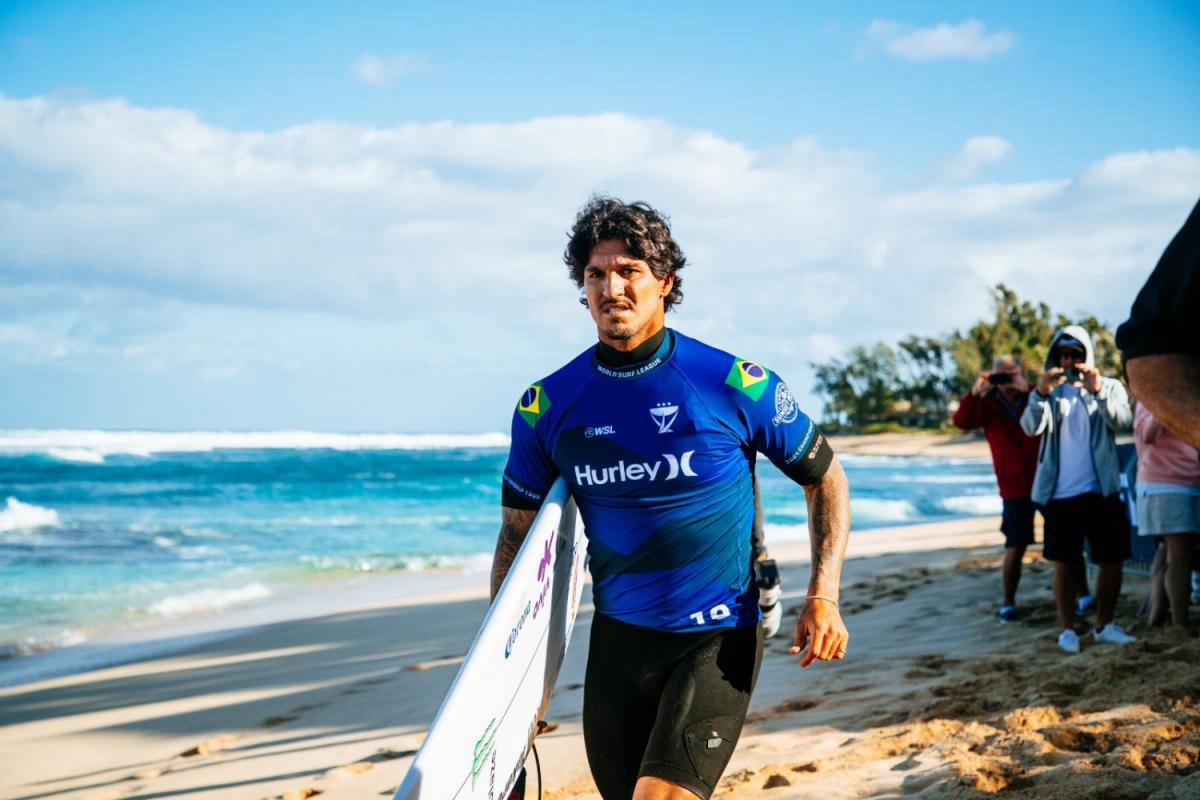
(351, 218)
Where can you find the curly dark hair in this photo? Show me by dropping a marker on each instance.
(645, 232)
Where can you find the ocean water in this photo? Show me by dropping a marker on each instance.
(103, 530)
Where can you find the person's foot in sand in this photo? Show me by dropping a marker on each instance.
(1112, 633)
(1068, 642)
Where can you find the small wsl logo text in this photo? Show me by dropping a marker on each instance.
(664, 416)
(587, 475)
(600, 430)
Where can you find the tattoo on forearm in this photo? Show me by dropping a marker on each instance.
(514, 526)
(829, 529)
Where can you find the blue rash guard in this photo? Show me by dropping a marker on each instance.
(658, 457)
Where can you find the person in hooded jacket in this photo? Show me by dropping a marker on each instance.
(1078, 412)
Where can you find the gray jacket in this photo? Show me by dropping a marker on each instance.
(1108, 411)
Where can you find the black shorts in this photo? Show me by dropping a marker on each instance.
(667, 705)
(1102, 521)
(1017, 522)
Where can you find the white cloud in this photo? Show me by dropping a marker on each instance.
(441, 243)
(976, 153)
(967, 40)
(374, 70)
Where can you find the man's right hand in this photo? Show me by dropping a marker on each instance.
(981, 386)
(1049, 379)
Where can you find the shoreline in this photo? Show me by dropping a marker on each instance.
(203, 693)
(934, 698)
(114, 646)
(912, 444)
(119, 643)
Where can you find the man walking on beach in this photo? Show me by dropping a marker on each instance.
(1078, 412)
(656, 433)
(995, 404)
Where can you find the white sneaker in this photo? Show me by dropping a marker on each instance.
(1068, 642)
(1113, 634)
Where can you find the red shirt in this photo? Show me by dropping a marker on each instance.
(1014, 455)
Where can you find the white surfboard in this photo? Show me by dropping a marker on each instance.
(481, 735)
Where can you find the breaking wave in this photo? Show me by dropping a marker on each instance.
(979, 505)
(874, 510)
(22, 516)
(208, 600)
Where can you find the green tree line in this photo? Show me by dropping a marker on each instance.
(914, 383)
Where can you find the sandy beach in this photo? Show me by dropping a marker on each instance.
(935, 699)
(940, 445)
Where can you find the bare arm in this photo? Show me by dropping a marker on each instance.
(514, 527)
(829, 530)
(1169, 385)
(820, 625)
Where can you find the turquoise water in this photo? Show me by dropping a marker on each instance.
(114, 529)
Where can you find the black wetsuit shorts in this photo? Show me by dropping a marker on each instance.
(667, 705)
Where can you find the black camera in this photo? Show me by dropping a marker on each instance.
(1000, 379)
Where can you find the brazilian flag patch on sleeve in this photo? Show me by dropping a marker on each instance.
(748, 378)
(533, 404)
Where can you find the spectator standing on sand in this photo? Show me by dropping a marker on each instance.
(1168, 489)
(995, 404)
(1078, 413)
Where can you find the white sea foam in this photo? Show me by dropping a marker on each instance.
(29, 645)
(470, 562)
(322, 522)
(981, 505)
(92, 446)
(876, 509)
(942, 479)
(785, 533)
(908, 461)
(75, 454)
(22, 516)
(208, 600)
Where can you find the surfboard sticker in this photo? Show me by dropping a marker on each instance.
(481, 735)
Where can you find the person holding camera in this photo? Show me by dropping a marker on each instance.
(1078, 412)
(995, 404)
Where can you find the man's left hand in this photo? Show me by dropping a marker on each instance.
(821, 630)
(1091, 378)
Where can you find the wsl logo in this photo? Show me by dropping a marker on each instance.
(664, 415)
(587, 475)
(786, 409)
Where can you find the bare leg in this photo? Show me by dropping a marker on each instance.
(1178, 578)
(1064, 593)
(1108, 589)
(1157, 598)
(1081, 584)
(649, 788)
(1012, 573)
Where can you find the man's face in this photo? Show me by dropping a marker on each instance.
(1069, 357)
(623, 295)
(1008, 367)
